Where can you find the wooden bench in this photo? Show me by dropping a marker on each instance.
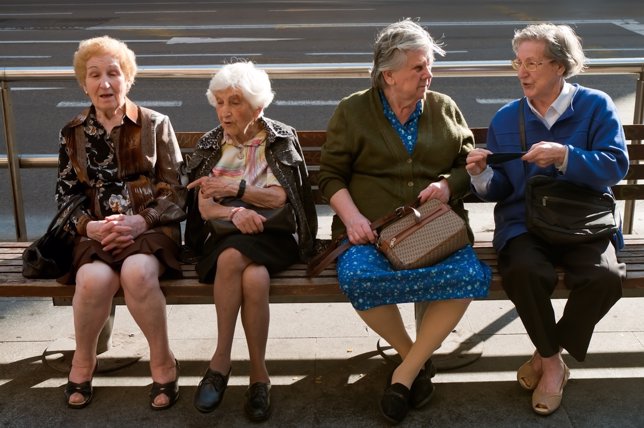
(292, 285)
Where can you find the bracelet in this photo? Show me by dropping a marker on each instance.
(242, 189)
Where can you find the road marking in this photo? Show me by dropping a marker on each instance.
(634, 26)
(198, 55)
(612, 49)
(29, 42)
(35, 13)
(320, 10)
(619, 22)
(365, 53)
(148, 12)
(24, 56)
(192, 40)
(82, 104)
(36, 88)
(494, 100)
(305, 103)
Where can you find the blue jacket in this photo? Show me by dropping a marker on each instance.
(591, 118)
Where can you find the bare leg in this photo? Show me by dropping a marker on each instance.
(439, 320)
(255, 315)
(96, 284)
(146, 302)
(228, 300)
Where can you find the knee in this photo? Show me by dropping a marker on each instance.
(139, 278)
(256, 284)
(231, 260)
(95, 282)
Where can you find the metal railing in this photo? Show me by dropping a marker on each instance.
(14, 161)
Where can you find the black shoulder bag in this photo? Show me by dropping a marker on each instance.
(561, 212)
(51, 255)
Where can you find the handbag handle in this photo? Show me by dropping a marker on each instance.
(68, 208)
(340, 244)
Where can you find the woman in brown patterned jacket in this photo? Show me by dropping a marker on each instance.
(126, 161)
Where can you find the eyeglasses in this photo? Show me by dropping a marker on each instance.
(528, 65)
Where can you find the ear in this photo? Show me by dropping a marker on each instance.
(258, 113)
(85, 90)
(388, 77)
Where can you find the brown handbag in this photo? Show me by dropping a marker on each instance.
(424, 237)
(416, 236)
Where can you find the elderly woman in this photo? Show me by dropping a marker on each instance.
(125, 160)
(386, 147)
(572, 133)
(242, 171)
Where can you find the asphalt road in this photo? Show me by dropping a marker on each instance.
(46, 33)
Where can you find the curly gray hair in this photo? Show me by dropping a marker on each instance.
(392, 44)
(251, 81)
(562, 45)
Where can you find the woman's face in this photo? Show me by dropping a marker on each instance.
(542, 85)
(235, 114)
(410, 82)
(105, 83)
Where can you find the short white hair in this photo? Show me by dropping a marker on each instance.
(251, 81)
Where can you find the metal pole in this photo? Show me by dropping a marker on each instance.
(13, 164)
(638, 118)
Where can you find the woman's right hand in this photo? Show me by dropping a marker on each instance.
(359, 230)
(114, 236)
(476, 161)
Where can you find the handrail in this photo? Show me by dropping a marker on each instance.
(15, 161)
(326, 70)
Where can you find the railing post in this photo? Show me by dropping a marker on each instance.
(638, 118)
(13, 164)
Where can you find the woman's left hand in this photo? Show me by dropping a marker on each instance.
(248, 221)
(436, 190)
(125, 228)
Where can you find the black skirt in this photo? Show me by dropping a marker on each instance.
(151, 242)
(274, 250)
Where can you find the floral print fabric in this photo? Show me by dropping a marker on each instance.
(367, 278)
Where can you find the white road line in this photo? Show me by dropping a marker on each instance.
(148, 12)
(81, 104)
(634, 26)
(198, 55)
(33, 42)
(305, 103)
(34, 13)
(24, 56)
(36, 88)
(193, 40)
(613, 49)
(619, 22)
(502, 101)
(320, 10)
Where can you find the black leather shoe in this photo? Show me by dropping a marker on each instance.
(258, 402)
(211, 390)
(394, 404)
(422, 389)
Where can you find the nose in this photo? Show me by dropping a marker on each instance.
(105, 83)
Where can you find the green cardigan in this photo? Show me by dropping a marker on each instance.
(364, 154)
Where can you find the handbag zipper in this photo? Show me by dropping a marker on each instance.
(554, 199)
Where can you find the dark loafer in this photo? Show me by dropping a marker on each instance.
(394, 404)
(211, 390)
(422, 389)
(258, 402)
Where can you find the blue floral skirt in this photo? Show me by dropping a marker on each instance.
(368, 279)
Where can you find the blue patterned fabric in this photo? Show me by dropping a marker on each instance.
(367, 278)
(408, 132)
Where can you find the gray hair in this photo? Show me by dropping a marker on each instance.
(392, 45)
(251, 81)
(562, 45)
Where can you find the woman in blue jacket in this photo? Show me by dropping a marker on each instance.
(562, 121)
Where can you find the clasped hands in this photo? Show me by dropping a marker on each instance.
(117, 231)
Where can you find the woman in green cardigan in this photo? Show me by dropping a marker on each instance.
(389, 146)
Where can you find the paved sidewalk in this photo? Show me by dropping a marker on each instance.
(324, 368)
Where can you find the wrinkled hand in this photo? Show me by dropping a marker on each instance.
(476, 161)
(248, 221)
(116, 232)
(437, 190)
(359, 230)
(546, 153)
(215, 187)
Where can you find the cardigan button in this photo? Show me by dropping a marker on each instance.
(409, 160)
(410, 184)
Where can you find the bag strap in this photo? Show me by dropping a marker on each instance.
(341, 244)
(65, 211)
